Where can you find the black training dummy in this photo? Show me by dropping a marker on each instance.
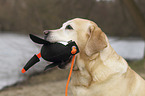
(57, 53)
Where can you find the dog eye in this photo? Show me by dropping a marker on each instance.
(68, 27)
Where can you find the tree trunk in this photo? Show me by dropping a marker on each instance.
(136, 15)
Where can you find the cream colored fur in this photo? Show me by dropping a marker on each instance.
(99, 70)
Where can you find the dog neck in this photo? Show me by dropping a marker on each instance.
(89, 69)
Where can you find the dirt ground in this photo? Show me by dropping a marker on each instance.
(53, 83)
(47, 84)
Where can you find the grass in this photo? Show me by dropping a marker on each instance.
(139, 67)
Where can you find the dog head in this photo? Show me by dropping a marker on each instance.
(88, 36)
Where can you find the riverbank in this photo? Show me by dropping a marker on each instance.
(50, 83)
(17, 49)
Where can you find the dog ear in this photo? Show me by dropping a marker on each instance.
(96, 41)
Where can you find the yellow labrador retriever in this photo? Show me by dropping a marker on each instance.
(99, 70)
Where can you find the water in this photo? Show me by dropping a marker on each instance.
(128, 48)
(16, 50)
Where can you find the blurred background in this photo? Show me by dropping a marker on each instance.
(122, 20)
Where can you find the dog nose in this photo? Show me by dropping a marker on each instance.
(46, 32)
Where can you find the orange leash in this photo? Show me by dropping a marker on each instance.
(72, 64)
(73, 59)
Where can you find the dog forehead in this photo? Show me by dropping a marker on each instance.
(79, 24)
(66, 23)
(77, 21)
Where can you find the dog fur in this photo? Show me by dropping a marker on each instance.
(99, 70)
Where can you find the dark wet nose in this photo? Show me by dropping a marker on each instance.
(46, 32)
